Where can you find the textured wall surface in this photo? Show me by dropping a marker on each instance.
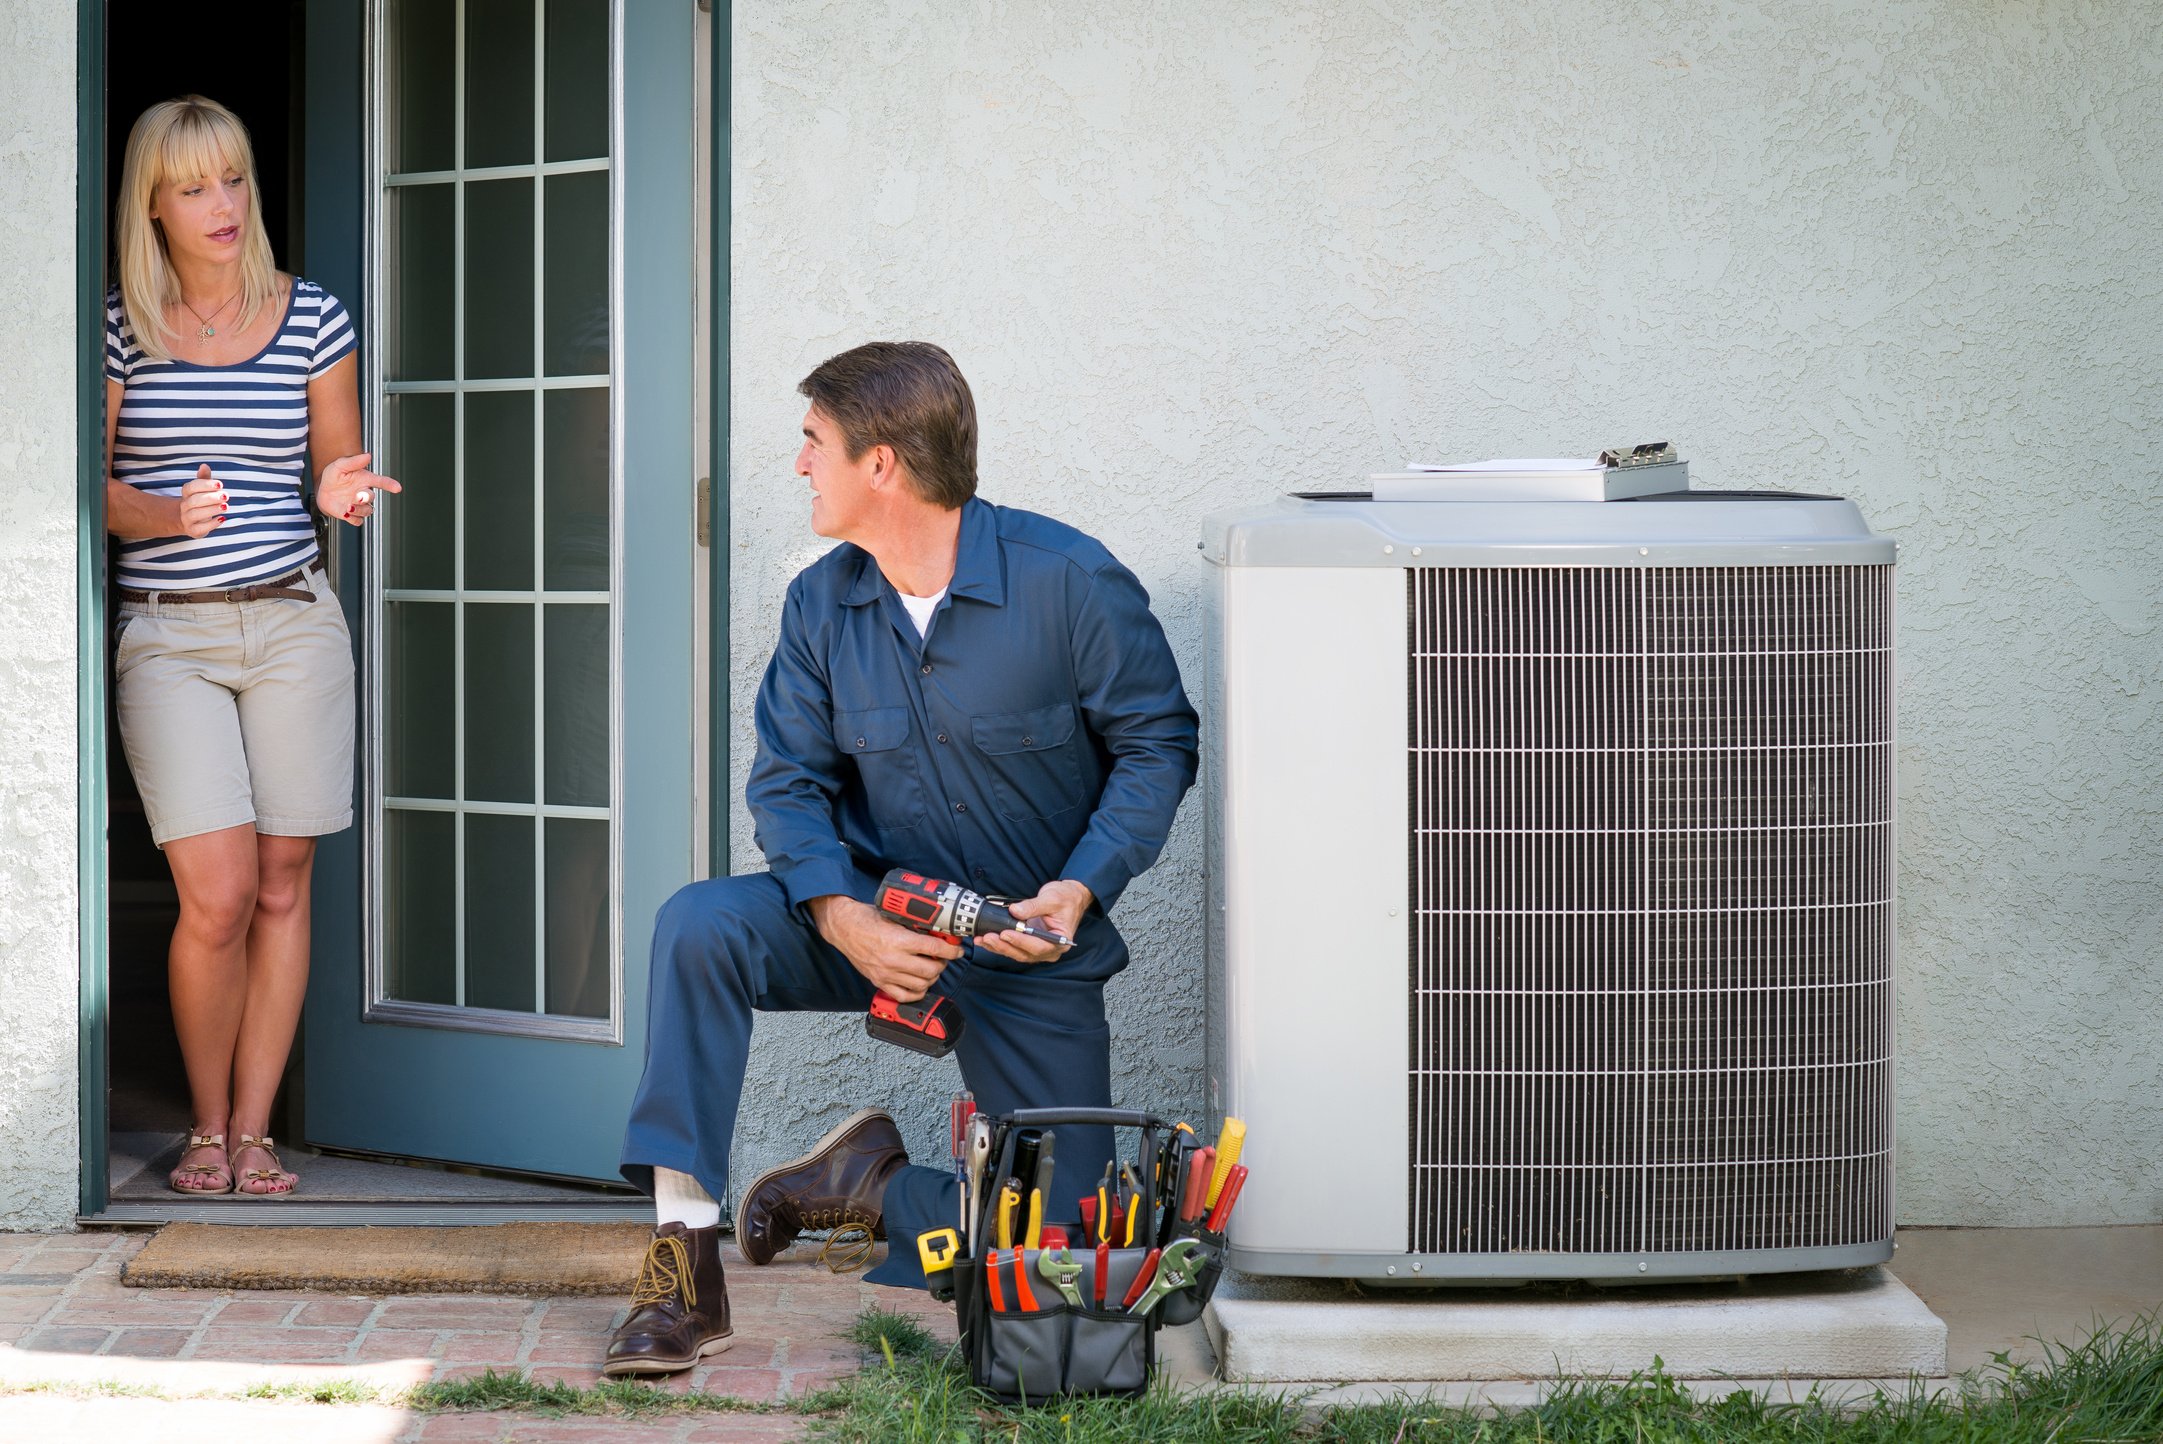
(1192, 256)
(37, 618)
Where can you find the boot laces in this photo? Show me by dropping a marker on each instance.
(848, 1244)
(666, 1271)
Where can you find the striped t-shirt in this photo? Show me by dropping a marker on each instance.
(248, 422)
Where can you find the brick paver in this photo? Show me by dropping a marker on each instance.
(65, 1316)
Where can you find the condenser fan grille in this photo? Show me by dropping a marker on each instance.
(1651, 958)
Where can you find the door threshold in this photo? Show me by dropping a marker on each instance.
(303, 1213)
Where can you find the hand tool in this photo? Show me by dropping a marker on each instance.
(1221, 1213)
(1002, 1229)
(1089, 1221)
(1104, 1273)
(1024, 1296)
(962, 1110)
(937, 1250)
(1175, 1270)
(979, 1161)
(1104, 1205)
(1054, 1237)
(1061, 1269)
(1142, 1277)
(1132, 1216)
(1026, 1142)
(1194, 1192)
(991, 1281)
(1040, 1194)
(1229, 1142)
(950, 911)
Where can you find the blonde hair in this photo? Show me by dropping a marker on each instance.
(180, 140)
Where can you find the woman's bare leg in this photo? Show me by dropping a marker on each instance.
(277, 985)
(207, 966)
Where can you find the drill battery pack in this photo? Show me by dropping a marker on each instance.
(931, 1025)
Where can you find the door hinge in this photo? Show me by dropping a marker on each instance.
(705, 511)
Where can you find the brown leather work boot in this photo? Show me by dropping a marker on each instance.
(841, 1181)
(679, 1306)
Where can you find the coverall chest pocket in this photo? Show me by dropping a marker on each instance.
(1031, 760)
(874, 737)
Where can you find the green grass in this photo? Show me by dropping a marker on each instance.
(2107, 1390)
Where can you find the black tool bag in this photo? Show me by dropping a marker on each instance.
(1057, 1348)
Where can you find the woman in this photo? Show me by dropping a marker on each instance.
(226, 381)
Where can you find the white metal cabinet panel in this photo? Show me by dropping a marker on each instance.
(1314, 877)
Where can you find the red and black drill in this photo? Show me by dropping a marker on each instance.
(933, 1025)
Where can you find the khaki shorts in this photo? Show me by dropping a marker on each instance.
(239, 712)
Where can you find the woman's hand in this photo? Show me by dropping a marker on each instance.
(347, 489)
(202, 503)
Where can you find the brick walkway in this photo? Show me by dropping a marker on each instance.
(66, 1321)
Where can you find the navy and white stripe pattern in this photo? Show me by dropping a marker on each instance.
(247, 422)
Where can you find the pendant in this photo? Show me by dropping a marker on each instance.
(207, 332)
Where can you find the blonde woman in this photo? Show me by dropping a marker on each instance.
(230, 400)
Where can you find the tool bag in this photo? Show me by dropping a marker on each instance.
(1024, 1339)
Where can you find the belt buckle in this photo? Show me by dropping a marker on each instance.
(234, 594)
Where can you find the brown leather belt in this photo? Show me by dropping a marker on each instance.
(289, 585)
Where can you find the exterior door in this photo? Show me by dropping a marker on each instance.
(526, 605)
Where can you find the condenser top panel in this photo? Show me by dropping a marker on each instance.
(1689, 528)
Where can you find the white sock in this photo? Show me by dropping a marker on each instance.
(679, 1198)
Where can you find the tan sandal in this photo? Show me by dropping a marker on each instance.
(221, 1171)
(273, 1174)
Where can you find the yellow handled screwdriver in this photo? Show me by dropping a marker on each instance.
(1229, 1142)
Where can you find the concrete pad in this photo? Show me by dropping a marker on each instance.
(22, 1369)
(1496, 1395)
(1860, 1324)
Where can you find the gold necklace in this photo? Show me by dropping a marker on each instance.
(207, 331)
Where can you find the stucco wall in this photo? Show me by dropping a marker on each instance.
(1192, 256)
(37, 618)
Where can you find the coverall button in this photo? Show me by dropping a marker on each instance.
(1028, 742)
(961, 807)
(859, 741)
(942, 736)
(925, 669)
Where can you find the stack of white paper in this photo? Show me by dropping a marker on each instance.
(1542, 464)
(1528, 478)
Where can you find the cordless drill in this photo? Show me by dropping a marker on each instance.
(946, 910)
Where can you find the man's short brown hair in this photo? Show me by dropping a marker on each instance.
(908, 395)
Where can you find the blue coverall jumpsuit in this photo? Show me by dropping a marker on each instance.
(1039, 731)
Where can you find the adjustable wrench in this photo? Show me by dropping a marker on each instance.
(1061, 1269)
(1175, 1270)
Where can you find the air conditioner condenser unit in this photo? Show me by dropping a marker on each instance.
(1551, 871)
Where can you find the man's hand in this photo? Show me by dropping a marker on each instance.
(899, 962)
(1060, 904)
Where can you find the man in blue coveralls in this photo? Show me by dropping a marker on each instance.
(974, 693)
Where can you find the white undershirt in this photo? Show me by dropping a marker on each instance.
(921, 608)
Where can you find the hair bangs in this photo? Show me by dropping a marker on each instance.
(202, 144)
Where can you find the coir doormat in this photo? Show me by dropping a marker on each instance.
(510, 1258)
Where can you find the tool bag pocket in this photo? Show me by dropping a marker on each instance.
(1110, 1352)
(1025, 1354)
(1185, 1305)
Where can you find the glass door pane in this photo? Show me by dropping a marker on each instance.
(494, 819)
